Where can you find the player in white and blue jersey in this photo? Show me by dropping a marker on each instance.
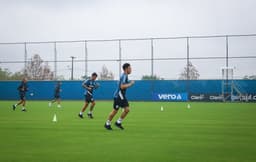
(120, 100)
(89, 86)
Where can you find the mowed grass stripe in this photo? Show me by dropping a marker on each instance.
(205, 132)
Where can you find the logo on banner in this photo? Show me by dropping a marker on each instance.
(247, 97)
(170, 96)
(197, 97)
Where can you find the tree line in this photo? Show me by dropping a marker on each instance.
(38, 69)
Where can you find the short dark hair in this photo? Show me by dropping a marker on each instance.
(126, 65)
(94, 74)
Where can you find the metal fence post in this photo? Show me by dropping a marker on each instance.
(25, 59)
(120, 57)
(86, 59)
(55, 61)
(188, 78)
(152, 57)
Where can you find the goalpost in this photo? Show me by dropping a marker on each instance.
(230, 90)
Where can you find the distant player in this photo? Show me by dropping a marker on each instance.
(57, 91)
(120, 100)
(23, 88)
(89, 86)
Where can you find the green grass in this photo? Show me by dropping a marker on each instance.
(212, 132)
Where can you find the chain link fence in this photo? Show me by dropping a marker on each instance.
(165, 58)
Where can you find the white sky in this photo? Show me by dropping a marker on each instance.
(49, 20)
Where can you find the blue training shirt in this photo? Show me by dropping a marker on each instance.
(23, 88)
(121, 92)
(92, 84)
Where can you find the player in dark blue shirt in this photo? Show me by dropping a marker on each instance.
(57, 91)
(23, 88)
(89, 86)
(120, 100)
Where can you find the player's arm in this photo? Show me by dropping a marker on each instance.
(127, 85)
(97, 85)
(26, 88)
(86, 85)
(19, 87)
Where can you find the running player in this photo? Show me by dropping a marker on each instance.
(89, 86)
(57, 91)
(23, 88)
(120, 100)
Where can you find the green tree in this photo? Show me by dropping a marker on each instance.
(250, 77)
(17, 76)
(4, 74)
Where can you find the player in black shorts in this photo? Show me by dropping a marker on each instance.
(57, 91)
(23, 88)
(89, 86)
(120, 100)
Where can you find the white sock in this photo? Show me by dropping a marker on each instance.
(119, 121)
(81, 113)
(23, 108)
(90, 112)
(15, 105)
(108, 122)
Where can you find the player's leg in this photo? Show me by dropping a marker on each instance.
(91, 109)
(22, 96)
(58, 102)
(112, 114)
(83, 109)
(20, 102)
(110, 117)
(126, 110)
(52, 101)
(15, 105)
(124, 113)
(118, 123)
(23, 105)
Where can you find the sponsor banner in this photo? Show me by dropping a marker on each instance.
(170, 96)
(219, 97)
(205, 97)
(244, 97)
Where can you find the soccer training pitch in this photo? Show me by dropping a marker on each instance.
(207, 132)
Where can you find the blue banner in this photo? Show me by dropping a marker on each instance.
(170, 96)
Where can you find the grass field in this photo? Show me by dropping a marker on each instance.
(207, 132)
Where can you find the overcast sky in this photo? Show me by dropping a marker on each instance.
(49, 20)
